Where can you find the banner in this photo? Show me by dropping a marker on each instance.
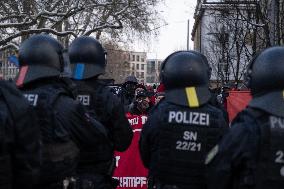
(129, 167)
(236, 102)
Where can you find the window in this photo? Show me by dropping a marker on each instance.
(142, 66)
(151, 67)
(137, 58)
(133, 57)
(137, 66)
(142, 74)
(142, 59)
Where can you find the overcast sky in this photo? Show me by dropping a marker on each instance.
(173, 36)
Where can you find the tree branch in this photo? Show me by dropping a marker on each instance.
(36, 31)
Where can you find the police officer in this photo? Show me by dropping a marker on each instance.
(64, 124)
(251, 155)
(19, 140)
(183, 126)
(88, 62)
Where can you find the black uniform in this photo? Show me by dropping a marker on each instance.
(64, 124)
(87, 58)
(64, 127)
(98, 98)
(175, 140)
(183, 127)
(251, 154)
(19, 140)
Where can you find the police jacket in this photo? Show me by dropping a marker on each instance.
(98, 98)
(65, 127)
(251, 155)
(174, 142)
(19, 140)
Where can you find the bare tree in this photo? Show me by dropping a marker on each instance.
(118, 62)
(71, 18)
(230, 41)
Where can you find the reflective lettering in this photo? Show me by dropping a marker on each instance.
(195, 118)
(171, 116)
(276, 122)
(32, 98)
(279, 157)
(179, 117)
(188, 146)
(84, 99)
(207, 119)
(186, 118)
(187, 135)
(203, 118)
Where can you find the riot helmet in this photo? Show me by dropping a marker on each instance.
(87, 58)
(40, 56)
(186, 73)
(265, 78)
(265, 71)
(185, 68)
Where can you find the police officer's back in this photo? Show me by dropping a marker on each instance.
(183, 126)
(19, 140)
(63, 123)
(251, 154)
(87, 58)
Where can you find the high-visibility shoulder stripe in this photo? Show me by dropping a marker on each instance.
(191, 97)
(79, 71)
(22, 74)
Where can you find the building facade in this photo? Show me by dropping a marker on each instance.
(220, 33)
(124, 63)
(138, 65)
(118, 65)
(153, 70)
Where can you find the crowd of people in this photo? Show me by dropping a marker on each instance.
(61, 124)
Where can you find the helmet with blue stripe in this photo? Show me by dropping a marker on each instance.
(87, 58)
